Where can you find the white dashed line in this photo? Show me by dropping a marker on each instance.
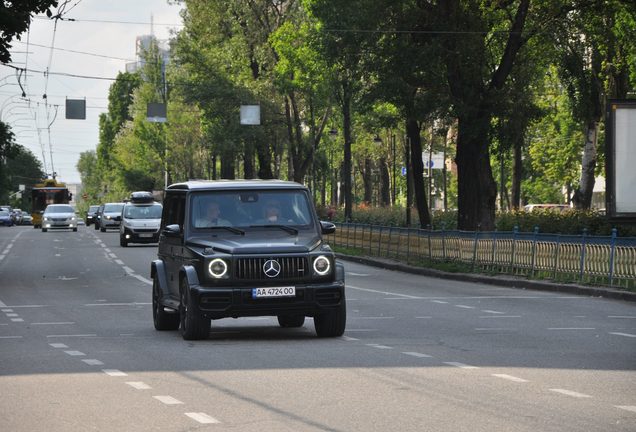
(570, 393)
(500, 316)
(347, 338)
(107, 250)
(571, 328)
(120, 262)
(439, 301)
(93, 362)
(622, 317)
(379, 346)
(10, 337)
(112, 255)
(12, 314)
(624, 334)
(114, 372)
(460, 365)
(509, 378)
(202, 418)
(75, 353)
(54, 323)
(58, 345)
(628, 408)
(78, 335)
(464, 307)
(414, 354)
(17, 320)
(139, 385)
(168, 400)
(493, 312)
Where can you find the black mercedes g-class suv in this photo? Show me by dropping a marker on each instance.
(237, 248)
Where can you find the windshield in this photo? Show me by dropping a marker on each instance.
(4, 213)
(113, 208)
(59, 209)
(253, 209)
(93, 208)
(143, 212)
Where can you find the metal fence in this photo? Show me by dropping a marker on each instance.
(608, 260)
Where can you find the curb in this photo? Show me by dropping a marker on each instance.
(508, 282)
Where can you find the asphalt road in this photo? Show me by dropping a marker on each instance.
(78, 352)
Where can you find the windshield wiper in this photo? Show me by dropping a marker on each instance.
(229, 228)
(283, 227)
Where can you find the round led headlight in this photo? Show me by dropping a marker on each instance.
(217, 267)
(321, 265)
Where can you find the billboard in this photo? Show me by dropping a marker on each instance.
(620, 149)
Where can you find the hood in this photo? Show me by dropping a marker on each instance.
(59, 215)
(252, 243)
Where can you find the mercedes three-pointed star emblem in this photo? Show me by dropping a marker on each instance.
(271, 268)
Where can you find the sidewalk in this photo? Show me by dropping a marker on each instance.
(504, 281)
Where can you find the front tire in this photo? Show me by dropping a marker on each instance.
(102, 229)
(289, 321)
(74, 229)
(44, 229)
(96, 226)
(332, 324)
(122, 241)
(162, 320)
(194, 326)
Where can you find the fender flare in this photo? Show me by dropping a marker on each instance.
(157, 269)
(340, 272)
(190, 273)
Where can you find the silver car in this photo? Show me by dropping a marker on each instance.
(111, 216)
(59, 216)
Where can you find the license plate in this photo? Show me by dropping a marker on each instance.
(145, 235)
(274, 292)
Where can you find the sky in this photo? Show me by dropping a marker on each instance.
(83, 58)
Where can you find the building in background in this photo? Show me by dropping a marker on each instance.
(143, 44)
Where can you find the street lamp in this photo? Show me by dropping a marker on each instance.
(332, 134)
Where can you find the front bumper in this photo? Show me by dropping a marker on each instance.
(310, 300)
(135, 236)
(59, 224)
(109, 223)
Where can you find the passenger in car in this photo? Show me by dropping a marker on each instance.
(271, 213)
(211, 217)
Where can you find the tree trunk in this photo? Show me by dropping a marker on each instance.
(582, 198)
(517, 174)
(346, 112)
(367, 175)
(477, 190)
(264, 161)
(385, 184)
(413, 133)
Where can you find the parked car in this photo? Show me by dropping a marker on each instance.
(9, 210)
(110, 217)
(59, 216)
(244, 248)
(140, 219)
(98, 216)
(91, 215)
(559, 207)
(27, 219)
(17, 217)
(5, 218)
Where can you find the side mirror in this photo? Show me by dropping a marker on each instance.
(172, 231)
(327, 227)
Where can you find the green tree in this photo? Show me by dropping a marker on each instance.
(22, 168)
(15, 18)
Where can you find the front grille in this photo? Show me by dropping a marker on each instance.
(328, 297)
(145, 230)
(58, 219)
(215, 300)
(252, 268)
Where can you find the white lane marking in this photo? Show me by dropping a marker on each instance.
(117, 304)
(438, 301)
(12, 314)
(58, 254)
(510, 378)
(107, 250)
(7, 310)
(571, 393)
(9, 246)
(501, 316)
(202, 418)
(357, 274)
(460, 365)
(495, 329)
(624, 334)
(93, 362)
(382, 292)
(493, 312)
(77, 335)
(112, 255)
(58, 345)
(139, 385)
(10, 337)
(75, 353)
(114, 372)
(628, 408)
(2, 257)
(465, 307)
(168, 400)
(379, 346)
(571, 328)
(347, 338)
(144, 280)
(128, 269)
(17, 320)
(2, 304)
(120, 262)
(53, 323)
(414, 354)
(624, 317)
(371, 318)
(103, 245)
